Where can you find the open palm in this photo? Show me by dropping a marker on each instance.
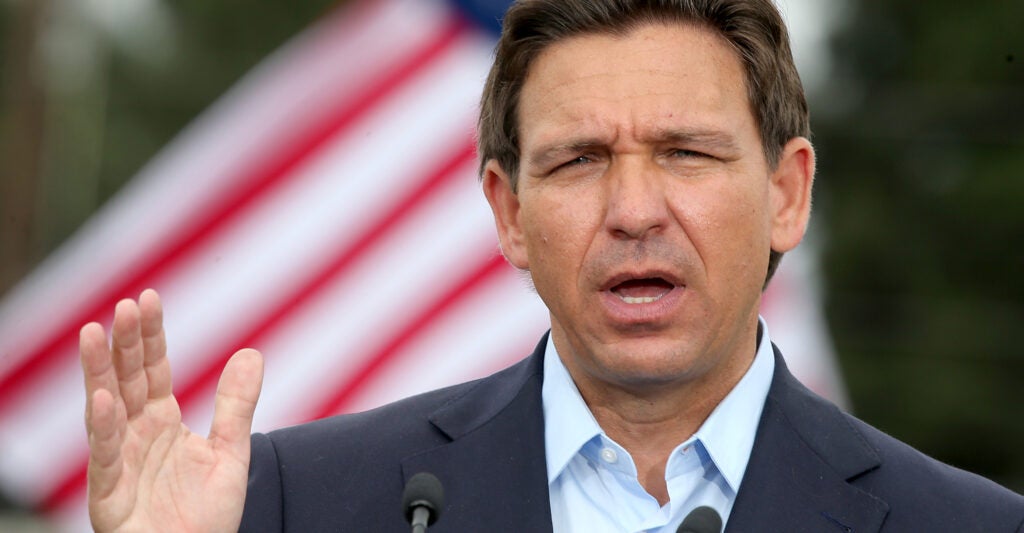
(147, 470)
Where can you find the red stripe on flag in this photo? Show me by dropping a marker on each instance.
(487, 268)
(25, 376)
(334, 270)
(207, 377)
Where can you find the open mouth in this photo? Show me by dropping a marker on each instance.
(642, 291)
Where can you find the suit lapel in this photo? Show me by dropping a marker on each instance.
(805, 453)
(493, 471)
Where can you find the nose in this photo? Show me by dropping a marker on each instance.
(636, 203)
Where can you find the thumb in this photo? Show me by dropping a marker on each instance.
(237, 393)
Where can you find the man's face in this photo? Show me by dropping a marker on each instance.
(646, 209)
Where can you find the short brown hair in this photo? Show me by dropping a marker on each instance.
(754, 28)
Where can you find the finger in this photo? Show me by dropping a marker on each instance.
(127, 351)
(97, 365)
(105, 439)
(237, 393)
(154, 345)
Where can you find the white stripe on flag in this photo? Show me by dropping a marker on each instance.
(314, 72)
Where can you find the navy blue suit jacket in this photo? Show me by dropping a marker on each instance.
(813, 468)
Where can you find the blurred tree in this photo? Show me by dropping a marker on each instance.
(920, 190)
(21, 119)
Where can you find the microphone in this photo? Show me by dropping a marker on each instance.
(422, 501)
(703, 519)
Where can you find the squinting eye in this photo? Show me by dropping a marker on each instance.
(687, 153)
(581, 160)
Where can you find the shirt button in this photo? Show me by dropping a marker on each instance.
(608, 455)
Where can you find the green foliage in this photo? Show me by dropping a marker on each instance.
(921, 191)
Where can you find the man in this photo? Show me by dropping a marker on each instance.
(647, 162)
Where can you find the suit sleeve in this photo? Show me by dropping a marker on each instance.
(263, 499)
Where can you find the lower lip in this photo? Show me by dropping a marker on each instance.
(653, 314)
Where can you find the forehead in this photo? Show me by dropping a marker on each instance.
(657, 76)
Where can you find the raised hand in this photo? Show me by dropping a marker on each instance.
(147, 471)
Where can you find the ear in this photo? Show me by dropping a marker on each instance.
(790, 193)
(504, 202)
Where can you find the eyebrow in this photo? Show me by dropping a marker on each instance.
(716, 140)
(548, 154)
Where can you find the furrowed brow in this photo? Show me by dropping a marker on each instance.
(550, 154)
(712, 139)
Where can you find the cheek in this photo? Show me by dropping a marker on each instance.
(555, 217)
(559, 230)
(729, 227)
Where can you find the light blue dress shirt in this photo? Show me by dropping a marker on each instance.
(593, 481)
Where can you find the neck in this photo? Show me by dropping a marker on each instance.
(651, 426)
(650, 419)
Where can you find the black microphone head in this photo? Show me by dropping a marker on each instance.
(423, 490)
(701, 520)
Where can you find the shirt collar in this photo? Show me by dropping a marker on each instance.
(568, 422)
(727, 435)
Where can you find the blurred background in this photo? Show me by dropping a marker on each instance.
(916, 263)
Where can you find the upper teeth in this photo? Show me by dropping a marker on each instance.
(641, 299)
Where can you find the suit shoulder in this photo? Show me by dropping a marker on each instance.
(916, 484)
(349, 469)
(299, 474)
(921, 493)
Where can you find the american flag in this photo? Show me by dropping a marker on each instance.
(325, 211)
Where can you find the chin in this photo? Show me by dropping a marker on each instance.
(654, 360)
